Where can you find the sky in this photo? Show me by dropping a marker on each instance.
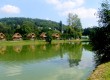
(55, 10)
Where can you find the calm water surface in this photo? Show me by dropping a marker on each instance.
(70, 61)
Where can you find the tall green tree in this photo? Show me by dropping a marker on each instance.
(61, 27)
(27, 27)
(104, 14)
(101, 36)
(75, 23)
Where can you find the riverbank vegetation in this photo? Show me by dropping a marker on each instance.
(100, 38)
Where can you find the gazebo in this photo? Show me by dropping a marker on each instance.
(31, 36)
(17, 37)
(2, 37)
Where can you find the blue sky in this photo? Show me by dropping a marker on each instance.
(55, 10)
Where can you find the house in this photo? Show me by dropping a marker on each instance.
(43, 35)
(56, 36)
(31, 36)
(17, 37)
(2, 37)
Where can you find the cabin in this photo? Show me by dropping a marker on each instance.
(56, 36)
(2, 37)
(17, 37)
(31, 36)
(43, 35)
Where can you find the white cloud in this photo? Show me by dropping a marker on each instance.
(55, 2)
(80, 2)
(47, 18)
(73, 6)
(10, 9)
(65, 4)
(82, 12)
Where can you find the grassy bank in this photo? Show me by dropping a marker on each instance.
(24, 42)
(102, 72)
(27, 42)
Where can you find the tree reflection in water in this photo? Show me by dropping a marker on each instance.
(75, 54)
(102, 56)
(42, 52)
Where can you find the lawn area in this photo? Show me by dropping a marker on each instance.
(27, 42)
(102, 72)
(24, 42)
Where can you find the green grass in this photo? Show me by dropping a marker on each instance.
(24, 42)
(27, 42)
(102, 72)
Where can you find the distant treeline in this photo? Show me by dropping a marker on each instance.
(22, 25)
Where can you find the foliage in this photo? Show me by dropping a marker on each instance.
(88, 31)
(100, 37)
(22, 25)
(61, 27)
(74, 29)
(11, 25)
(104, 14)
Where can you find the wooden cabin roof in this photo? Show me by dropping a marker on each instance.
(18, 35)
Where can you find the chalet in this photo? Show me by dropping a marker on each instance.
(43, 35)
(2, 37)
(17, 37)
(31, 36)
(56, 36)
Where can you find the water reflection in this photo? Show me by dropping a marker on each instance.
(68, 61)
(13, 70)
(32, 47)
(2, 49)
(102, 54)
(43, 47)
(42, 52)
(17, 48)
(75, 53)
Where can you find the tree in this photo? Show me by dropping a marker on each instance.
(101, 36)
(61, 27)
(104, 14)
(27, 27)
(75, 23)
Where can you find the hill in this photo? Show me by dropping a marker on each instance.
(11, 25)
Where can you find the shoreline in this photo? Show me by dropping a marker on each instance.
(102, 72)
(27, 42)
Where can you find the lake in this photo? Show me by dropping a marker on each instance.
(68, 61)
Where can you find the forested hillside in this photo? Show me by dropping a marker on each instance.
(24, 26)
(11, 25)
